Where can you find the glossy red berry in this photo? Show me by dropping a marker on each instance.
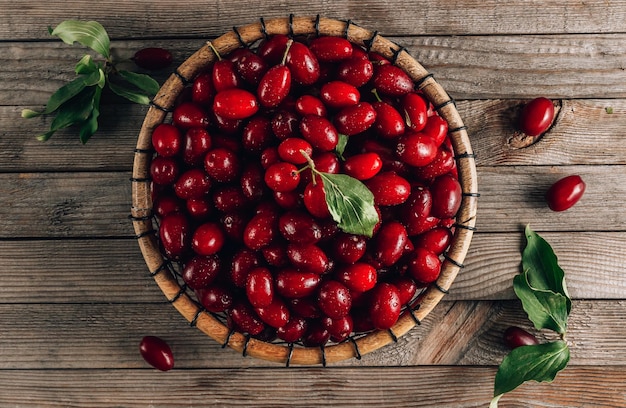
(153, 58)
(424, 266)
(156, 352)
(339, 94)
(391, 80)
(282, 176)
(207, 239)
(304, 66)
(166, 140)
(355, 119)
(331, 49)
(235, 103)
(260, 287)
(363, 166)
(516, 337)
(566, 192)
(334, 299)
(385, 306)
(536, 116)
(446, 195)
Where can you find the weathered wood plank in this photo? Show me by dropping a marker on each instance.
(455, 333)
(453, 387)
(97, 204)
(113, 270)
(515, 197)
(65, 204)
(158, 18)
(584, 133)
(570, 66)
(75, 271)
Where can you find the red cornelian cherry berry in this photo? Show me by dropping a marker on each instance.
(331, 49)
(436, 240)
(358, 277)
(389, 122)
(446, 195)
(202, 90)
(416, 149)
(424, 266)
(196, 142)
(156, 352)
(193, 183)
(437, 128)
(415, 111)
(536, 116)
(385, 306)
(164, 170)
(389, 188)
(175, 235)
(235, 103)
(207, 239)
(314, 199)
(391, 80)
(356, 71)
(363, 166)
(189, 115)
(217, 298)
(334, 299)
(225, 76)
(515, 337)
(299, 227)
(319, 132)
(292, 283)
(260, 287)
(222, 164)
(304, 66)
(355, 119)
(201, 271)
(260, 231)
(310, 105)
(273, 49)
(389, 243)
(339, 94)
(251, 67)
(276, 314)
(307, 257)
(282, 176)
(167, 140)
(293, 330)
(566, 192)
(245, 318)
(153, 58)
(291, 150)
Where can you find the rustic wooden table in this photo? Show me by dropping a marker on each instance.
(76, 296)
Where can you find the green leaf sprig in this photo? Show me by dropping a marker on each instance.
(78, 102)
(542, 290)
(350, 202)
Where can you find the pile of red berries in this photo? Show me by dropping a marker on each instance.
(243, 211)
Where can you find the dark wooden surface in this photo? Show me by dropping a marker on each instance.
(76, 296)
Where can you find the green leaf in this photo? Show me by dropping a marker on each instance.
(90, 126)
(74, 111)
(129, 93)
(141, 81)
(546, 309)
(86, 65)
(341, 145)
(88, 33)
(542, 267)
(350, 202)
(62, 95)
(539, 362)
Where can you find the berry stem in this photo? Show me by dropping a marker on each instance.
(284, 60)
(215, 51)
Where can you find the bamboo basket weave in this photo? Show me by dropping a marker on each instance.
(166, 277)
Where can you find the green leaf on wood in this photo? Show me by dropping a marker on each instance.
(545, 308)
(88, 33)
(141, 81)
(74, 111)
(129, 93)
(539, 362)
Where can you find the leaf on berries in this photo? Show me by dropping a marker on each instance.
(351, 203)
(341, 145)
(538, 362)
(88, 33)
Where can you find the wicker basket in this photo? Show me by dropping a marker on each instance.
(161, 269)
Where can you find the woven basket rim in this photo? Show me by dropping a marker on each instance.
(141, 210)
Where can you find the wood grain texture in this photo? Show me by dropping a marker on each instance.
(584, 133)
(114, 271)
(154, 18)
(453, 387)
(556, 66)
(98, 204)
(465, 333)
